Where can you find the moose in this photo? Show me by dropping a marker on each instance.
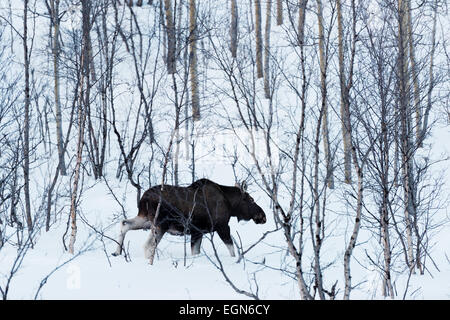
(200, 208)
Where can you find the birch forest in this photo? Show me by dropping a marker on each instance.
(335, 113)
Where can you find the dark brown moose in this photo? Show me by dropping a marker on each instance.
(200, 208)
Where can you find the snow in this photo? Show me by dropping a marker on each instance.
(95, 274)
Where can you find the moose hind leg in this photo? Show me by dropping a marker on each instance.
(224, 234)
(154, 238)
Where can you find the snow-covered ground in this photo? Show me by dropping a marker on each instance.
(95, 274)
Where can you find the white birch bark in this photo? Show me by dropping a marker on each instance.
(195, 99)
(54, 5)
(234, 28)
(414, 74)
(279, 12)
(171, 41)
(267, 91)
(323, 85)
(84, 89)
(259, 63)
(301, 21)
(405, 119)
(26, 130)
(345, 116)
(424, 128)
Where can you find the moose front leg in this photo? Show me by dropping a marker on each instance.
(126, 225)
(224, 234)
(196, 241)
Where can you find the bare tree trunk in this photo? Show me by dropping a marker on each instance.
(387, 283)
(267, 50)
(414, 74)
(96, 140)
(180, 43)
(301, 21)
(55, 178)
(356, 227)
(82, 110)
(300, 143)
(186, 110)
(105, 83)
(323, 85)
(345, 115)
(405, 119)
(55, 20)
(348, 144)
(286, 223)
(279, 12)
(14, 194)
(316, 222)
(195, 99)
(424, 128)
(384, 209)
(171, 40)
(234, 28)
(176, 156)
(26, 142)
(259, 64)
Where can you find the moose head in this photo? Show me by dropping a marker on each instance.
(246, 208)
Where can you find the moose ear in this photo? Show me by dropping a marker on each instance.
(242, 186)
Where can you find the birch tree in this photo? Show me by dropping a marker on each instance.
(234, 28)
(26, 130)
(414, 73)
(267, 91)
(195, 99)
(346, 83)
(84, 94)
(279, 12)
(259, 44)
(378, 127)
(301, 21)
(171, 38)
(431, 83)
(345, 109)
(323, 87)
(407, 149)
(55, 19)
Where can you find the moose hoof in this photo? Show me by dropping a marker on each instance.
(114, 254)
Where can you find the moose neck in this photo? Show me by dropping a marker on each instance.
(234, 196)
